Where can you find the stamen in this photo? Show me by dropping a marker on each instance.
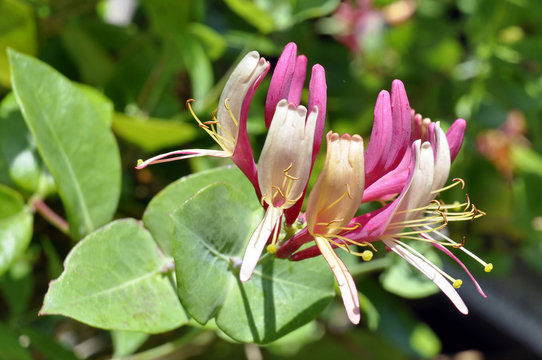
(487, 266)
(225, 143)
(455, 282)
(456, 182)
(462, 243)
(367, 255)
(227, 105)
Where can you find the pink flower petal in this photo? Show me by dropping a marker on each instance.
(455, 137)
(279, 87)
(298, 80)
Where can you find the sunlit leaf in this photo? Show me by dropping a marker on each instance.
(156, 217)
(78, 148)
(253, 14)
(213, 42)
(211, 231)
(116, 278)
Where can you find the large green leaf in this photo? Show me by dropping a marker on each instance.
(15, 226)
(117, 278)
(156, 217)
(211, 231)
(72, 137)
(18, 151)
(17, 31)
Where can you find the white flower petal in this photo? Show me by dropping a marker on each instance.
(345, 281)
(429, 270)
(258, 240)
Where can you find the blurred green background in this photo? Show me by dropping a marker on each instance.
(475, 59)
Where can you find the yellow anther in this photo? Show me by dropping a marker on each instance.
(488, 267)
(457, 283)
(272, 248)
(139, 162)
(367, 255)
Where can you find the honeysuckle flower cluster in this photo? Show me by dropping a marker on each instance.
(405, 166)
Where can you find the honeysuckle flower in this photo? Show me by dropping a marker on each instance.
(332, 203)
(283, 172)
(287, 83)
(228, 127)
(395, 128)
(415, 215)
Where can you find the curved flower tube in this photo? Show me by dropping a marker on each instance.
(287, 83)
(228, 128)
(332, 203)
(283, 172)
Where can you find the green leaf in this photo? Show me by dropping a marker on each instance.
(17, 31)
(94, 65)
(126, 342)
(78, 148)
(211, 232)
(18, 151)
(10, 349)
(153, 134)
(156, 217)
(254, 15)
(116, 278)
(213, 42)
(404, 280)
(15, 227)
(197, 64)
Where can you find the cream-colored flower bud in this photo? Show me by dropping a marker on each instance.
(337, 193)
(285, 163)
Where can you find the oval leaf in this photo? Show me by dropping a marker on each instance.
(116, 278)
(72, 137)
(156, 217)
(211, 231)
(15, 227)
